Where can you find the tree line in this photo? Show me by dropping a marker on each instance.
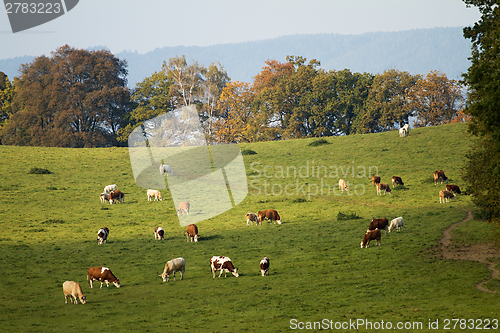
(79, 98)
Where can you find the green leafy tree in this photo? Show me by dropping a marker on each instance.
(482, 171)
(385, 105)
(6, 96)
(74, 98)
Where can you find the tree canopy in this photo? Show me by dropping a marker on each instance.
(74, 98)
(482, 171)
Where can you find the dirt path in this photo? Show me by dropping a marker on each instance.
(477, 252)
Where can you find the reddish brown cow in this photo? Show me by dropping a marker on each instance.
(116, 195)
(102, 235)
(439, 176)
(369, 236)
(383, 187)
(397, 181)
(102, 274)
(453, 188)
(375, 179)
(192, 232)
(224, 264)
(269, 214)
(159, 233)
(380, 224)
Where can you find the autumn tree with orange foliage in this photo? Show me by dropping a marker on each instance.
(435, 99)
(236, 120)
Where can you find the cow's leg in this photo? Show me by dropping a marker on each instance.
(174, 275)
(76, 302)
(182, 274)
(66, 299)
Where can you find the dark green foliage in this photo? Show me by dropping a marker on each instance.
(482, 171)
(248, 152)
(347, 216)
(39, 171)
(318, 142)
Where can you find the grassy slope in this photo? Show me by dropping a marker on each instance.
(48, 226)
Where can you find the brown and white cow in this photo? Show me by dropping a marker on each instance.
(102, 274)
(104, 197)
(183, 208)
(224, 264)
(269, 214)
(264, 266)
(439, 177)
(397, 181)
(159, 233)
(343, 185)
(446, 195)
(383, 187)
(369, 236)
(172, 266)
(192, 232)
(375, 179)
(252, 217)
(102, 235)
(453, 188)
(116, 195)
(380, 224)
(72, 288)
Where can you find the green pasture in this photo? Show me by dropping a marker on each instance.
(49, 222)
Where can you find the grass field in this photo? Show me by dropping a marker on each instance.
(48, 226)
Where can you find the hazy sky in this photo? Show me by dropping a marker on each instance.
(145, 25)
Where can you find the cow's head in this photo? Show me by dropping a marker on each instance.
(279, 221)
(235, 272)
(117, 283)
(83, 299)
(195, 238)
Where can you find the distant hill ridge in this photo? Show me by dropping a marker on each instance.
(416, 51)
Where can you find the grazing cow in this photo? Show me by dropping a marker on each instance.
(453, 188)
(109, 188)
(159, 233)
(369, 236)
(172, 266)
(104, 197)
(166, 169)
(380, 224)
(102, 235)
(192, 232)
(446, 195)
(397, 223)
(116, 195)
(343, 185)
(72, 288)
(102, 274)
(269, 214)
(252, 217)
(397, 181)
(264, 266)
(404, 131)
(439, 176)
(375, 180)
(154, 194)
(183, 207)
(224, 264)
(383, 187)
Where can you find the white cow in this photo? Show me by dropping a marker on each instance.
(397, 223)
(166, 169)
(154, 194)
(343, 185)
(172, 266)
(109, 188)
(404, 131)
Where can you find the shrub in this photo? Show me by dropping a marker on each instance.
(318, 142)
(248, 152)
(347, 216)
(39, 171)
